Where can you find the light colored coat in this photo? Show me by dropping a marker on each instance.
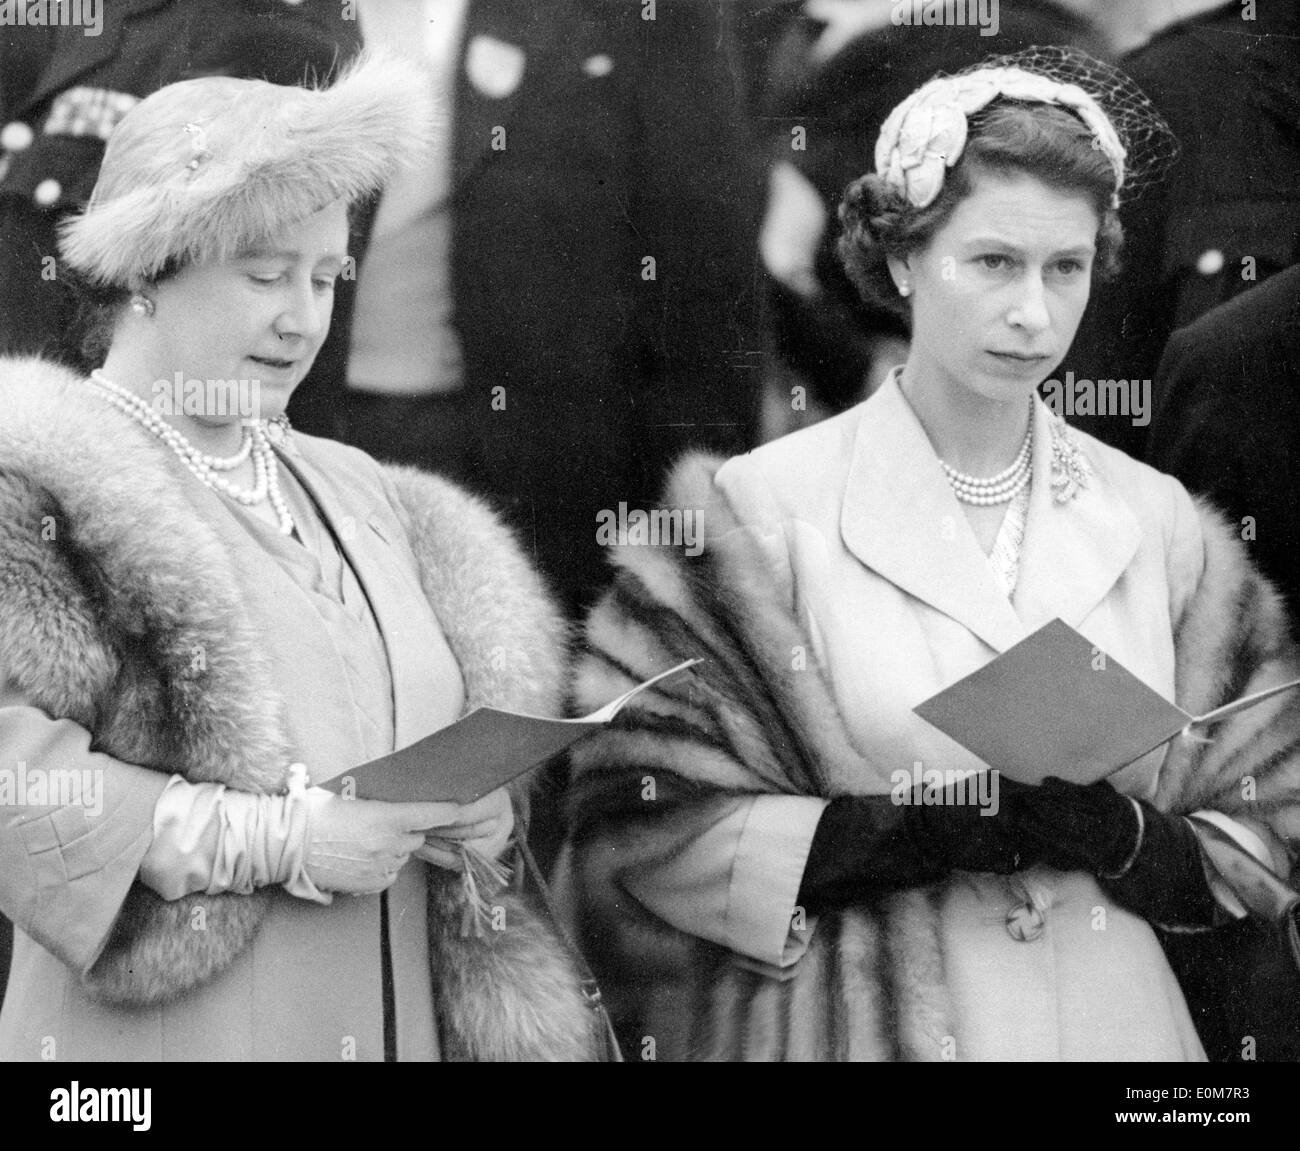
(839, 587)
(138, 617)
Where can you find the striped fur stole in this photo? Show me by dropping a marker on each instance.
(871, 985)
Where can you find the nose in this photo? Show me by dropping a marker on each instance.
(306, 313)
(1029, 312)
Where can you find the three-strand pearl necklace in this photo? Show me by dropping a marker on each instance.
(1001, 488)
(207, 469)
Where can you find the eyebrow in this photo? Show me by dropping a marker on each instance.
(998, 242)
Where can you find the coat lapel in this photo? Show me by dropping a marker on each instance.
(901, 519)
(1075, 550)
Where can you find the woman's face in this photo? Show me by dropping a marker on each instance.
(260, 317)
(999, 291)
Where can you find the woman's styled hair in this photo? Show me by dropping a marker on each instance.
(97, 310)
(1005, 137)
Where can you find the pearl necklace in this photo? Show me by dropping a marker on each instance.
(998, 489)
(255, 442)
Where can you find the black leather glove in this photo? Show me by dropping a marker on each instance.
(1149, 861)
(869, 844)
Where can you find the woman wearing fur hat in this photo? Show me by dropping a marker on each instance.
(747, 884)
(201, 611)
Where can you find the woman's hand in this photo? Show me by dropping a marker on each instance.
(958, 834)
(1149, 861)
(359, 845)
(1090, 828)
(485, 824)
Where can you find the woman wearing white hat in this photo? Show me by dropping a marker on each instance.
(194, 601)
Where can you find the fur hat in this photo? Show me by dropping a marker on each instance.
(206, 168)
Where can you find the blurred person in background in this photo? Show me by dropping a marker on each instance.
(1226, 422)
(561, 299)
(1227, 78)
(1227, 419)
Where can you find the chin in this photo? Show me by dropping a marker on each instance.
(222, 421)
(1016, 382)
(1004, 391)
(273, 400)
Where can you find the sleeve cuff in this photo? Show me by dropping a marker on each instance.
(1250, 842)
(762, 920)
(735, 883)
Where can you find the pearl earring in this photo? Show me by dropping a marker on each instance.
(904, 289)
(141, 305)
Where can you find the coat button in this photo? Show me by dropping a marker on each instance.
(1025, 922)
(16, 137)
(47, 192)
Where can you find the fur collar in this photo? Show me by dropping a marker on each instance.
(82, 499)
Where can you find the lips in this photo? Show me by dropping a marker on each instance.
(273, 363)
(1023, 357)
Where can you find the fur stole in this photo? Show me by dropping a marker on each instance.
(108, 584)
(871, 984)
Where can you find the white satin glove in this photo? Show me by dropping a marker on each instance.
(215, 839)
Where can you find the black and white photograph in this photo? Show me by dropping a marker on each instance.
(651, 531)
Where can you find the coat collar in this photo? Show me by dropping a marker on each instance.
(901, 519)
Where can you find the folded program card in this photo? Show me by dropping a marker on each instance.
(1055, 704)
(477, 754)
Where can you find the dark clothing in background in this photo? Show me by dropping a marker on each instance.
(624, 139)
(761, 28)
(1230, 89)
(61, 94)
(1227, 419)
